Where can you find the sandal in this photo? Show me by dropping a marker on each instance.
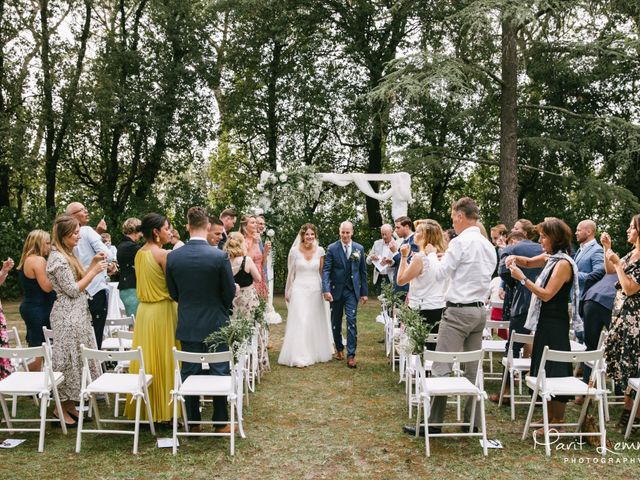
(68, 425)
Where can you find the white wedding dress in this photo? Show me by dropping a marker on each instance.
(308, 338)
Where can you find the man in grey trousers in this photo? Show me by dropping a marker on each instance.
(468, 263)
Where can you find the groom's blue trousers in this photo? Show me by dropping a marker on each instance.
(349, 305)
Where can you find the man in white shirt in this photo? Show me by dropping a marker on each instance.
(381, 258)
(90, 244)
(468, 263)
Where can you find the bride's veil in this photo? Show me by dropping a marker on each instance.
(291, 263)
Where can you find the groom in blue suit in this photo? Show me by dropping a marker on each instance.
(199, 278)
(344, 283)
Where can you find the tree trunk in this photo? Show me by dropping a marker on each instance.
(47, 109)
(272, 105)
(376, 145)
(4, 123)
(509, 125)
(55, 139)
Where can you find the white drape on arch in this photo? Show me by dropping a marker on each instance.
(399, 192)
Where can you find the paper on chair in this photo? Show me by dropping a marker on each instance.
(492, 443)
(167, 442)
(12, 442)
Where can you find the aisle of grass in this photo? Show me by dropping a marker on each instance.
(324, 421)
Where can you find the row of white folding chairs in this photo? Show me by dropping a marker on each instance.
(545, 388)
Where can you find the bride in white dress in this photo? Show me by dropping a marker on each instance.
(308, 338)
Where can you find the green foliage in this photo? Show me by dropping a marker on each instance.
(389, 297)
(416, 328)
(234, 336)
(259, 314)
(15, 228)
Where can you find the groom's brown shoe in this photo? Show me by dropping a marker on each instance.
(339, 356)
(351, 362)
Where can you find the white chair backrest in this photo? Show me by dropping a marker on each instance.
(120, 322)
(20, 353)
(496, 324)
(602, 338)
(571, 357)
(432, 338)
(48, 335)
(518, 338)
(112, 355)
(454, 357)
(189, 357)
(14, 337)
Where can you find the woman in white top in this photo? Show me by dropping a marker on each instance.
(425, 293)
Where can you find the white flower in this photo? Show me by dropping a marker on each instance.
(260, 187)
(300, 187)
(258, 211)
(283, 177)
(270, 233)
(272, 178)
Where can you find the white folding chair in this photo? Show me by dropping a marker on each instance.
(203, 385)
(491, 346)
(125, 337)
(44, 384)
(18, 365)
(113, 326)
(634, 384)
(457, 385)
(547, 388)
(134, 384)
(513, 369)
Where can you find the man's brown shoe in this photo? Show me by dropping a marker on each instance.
(339, 356)
(351, 362)
(226, 429)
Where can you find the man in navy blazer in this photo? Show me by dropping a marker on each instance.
(405, 233)
(590, 255)
(199, 278)
(344, 283)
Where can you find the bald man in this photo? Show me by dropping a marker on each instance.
(381, 258)
(344, 284)
(89, 244)
(590, 255)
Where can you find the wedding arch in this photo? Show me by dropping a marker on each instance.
(399, 191)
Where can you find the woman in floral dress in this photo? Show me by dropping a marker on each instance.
(70, 317)
(249, 229)
(622, 347)
(5, 363)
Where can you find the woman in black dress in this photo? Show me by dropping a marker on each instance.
(38, 292)
(552, 289)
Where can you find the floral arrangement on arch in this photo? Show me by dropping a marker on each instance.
(289, 187)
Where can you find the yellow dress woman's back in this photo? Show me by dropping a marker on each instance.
(155, 332)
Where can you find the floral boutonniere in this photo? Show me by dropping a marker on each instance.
(355, 256)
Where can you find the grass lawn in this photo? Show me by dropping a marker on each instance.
(324, 421)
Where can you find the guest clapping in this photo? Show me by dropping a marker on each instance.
(549, 309)
(426, 294)
(622, 347)
(70, 316)
(38, 292)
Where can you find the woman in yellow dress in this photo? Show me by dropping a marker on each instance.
(157, 317)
